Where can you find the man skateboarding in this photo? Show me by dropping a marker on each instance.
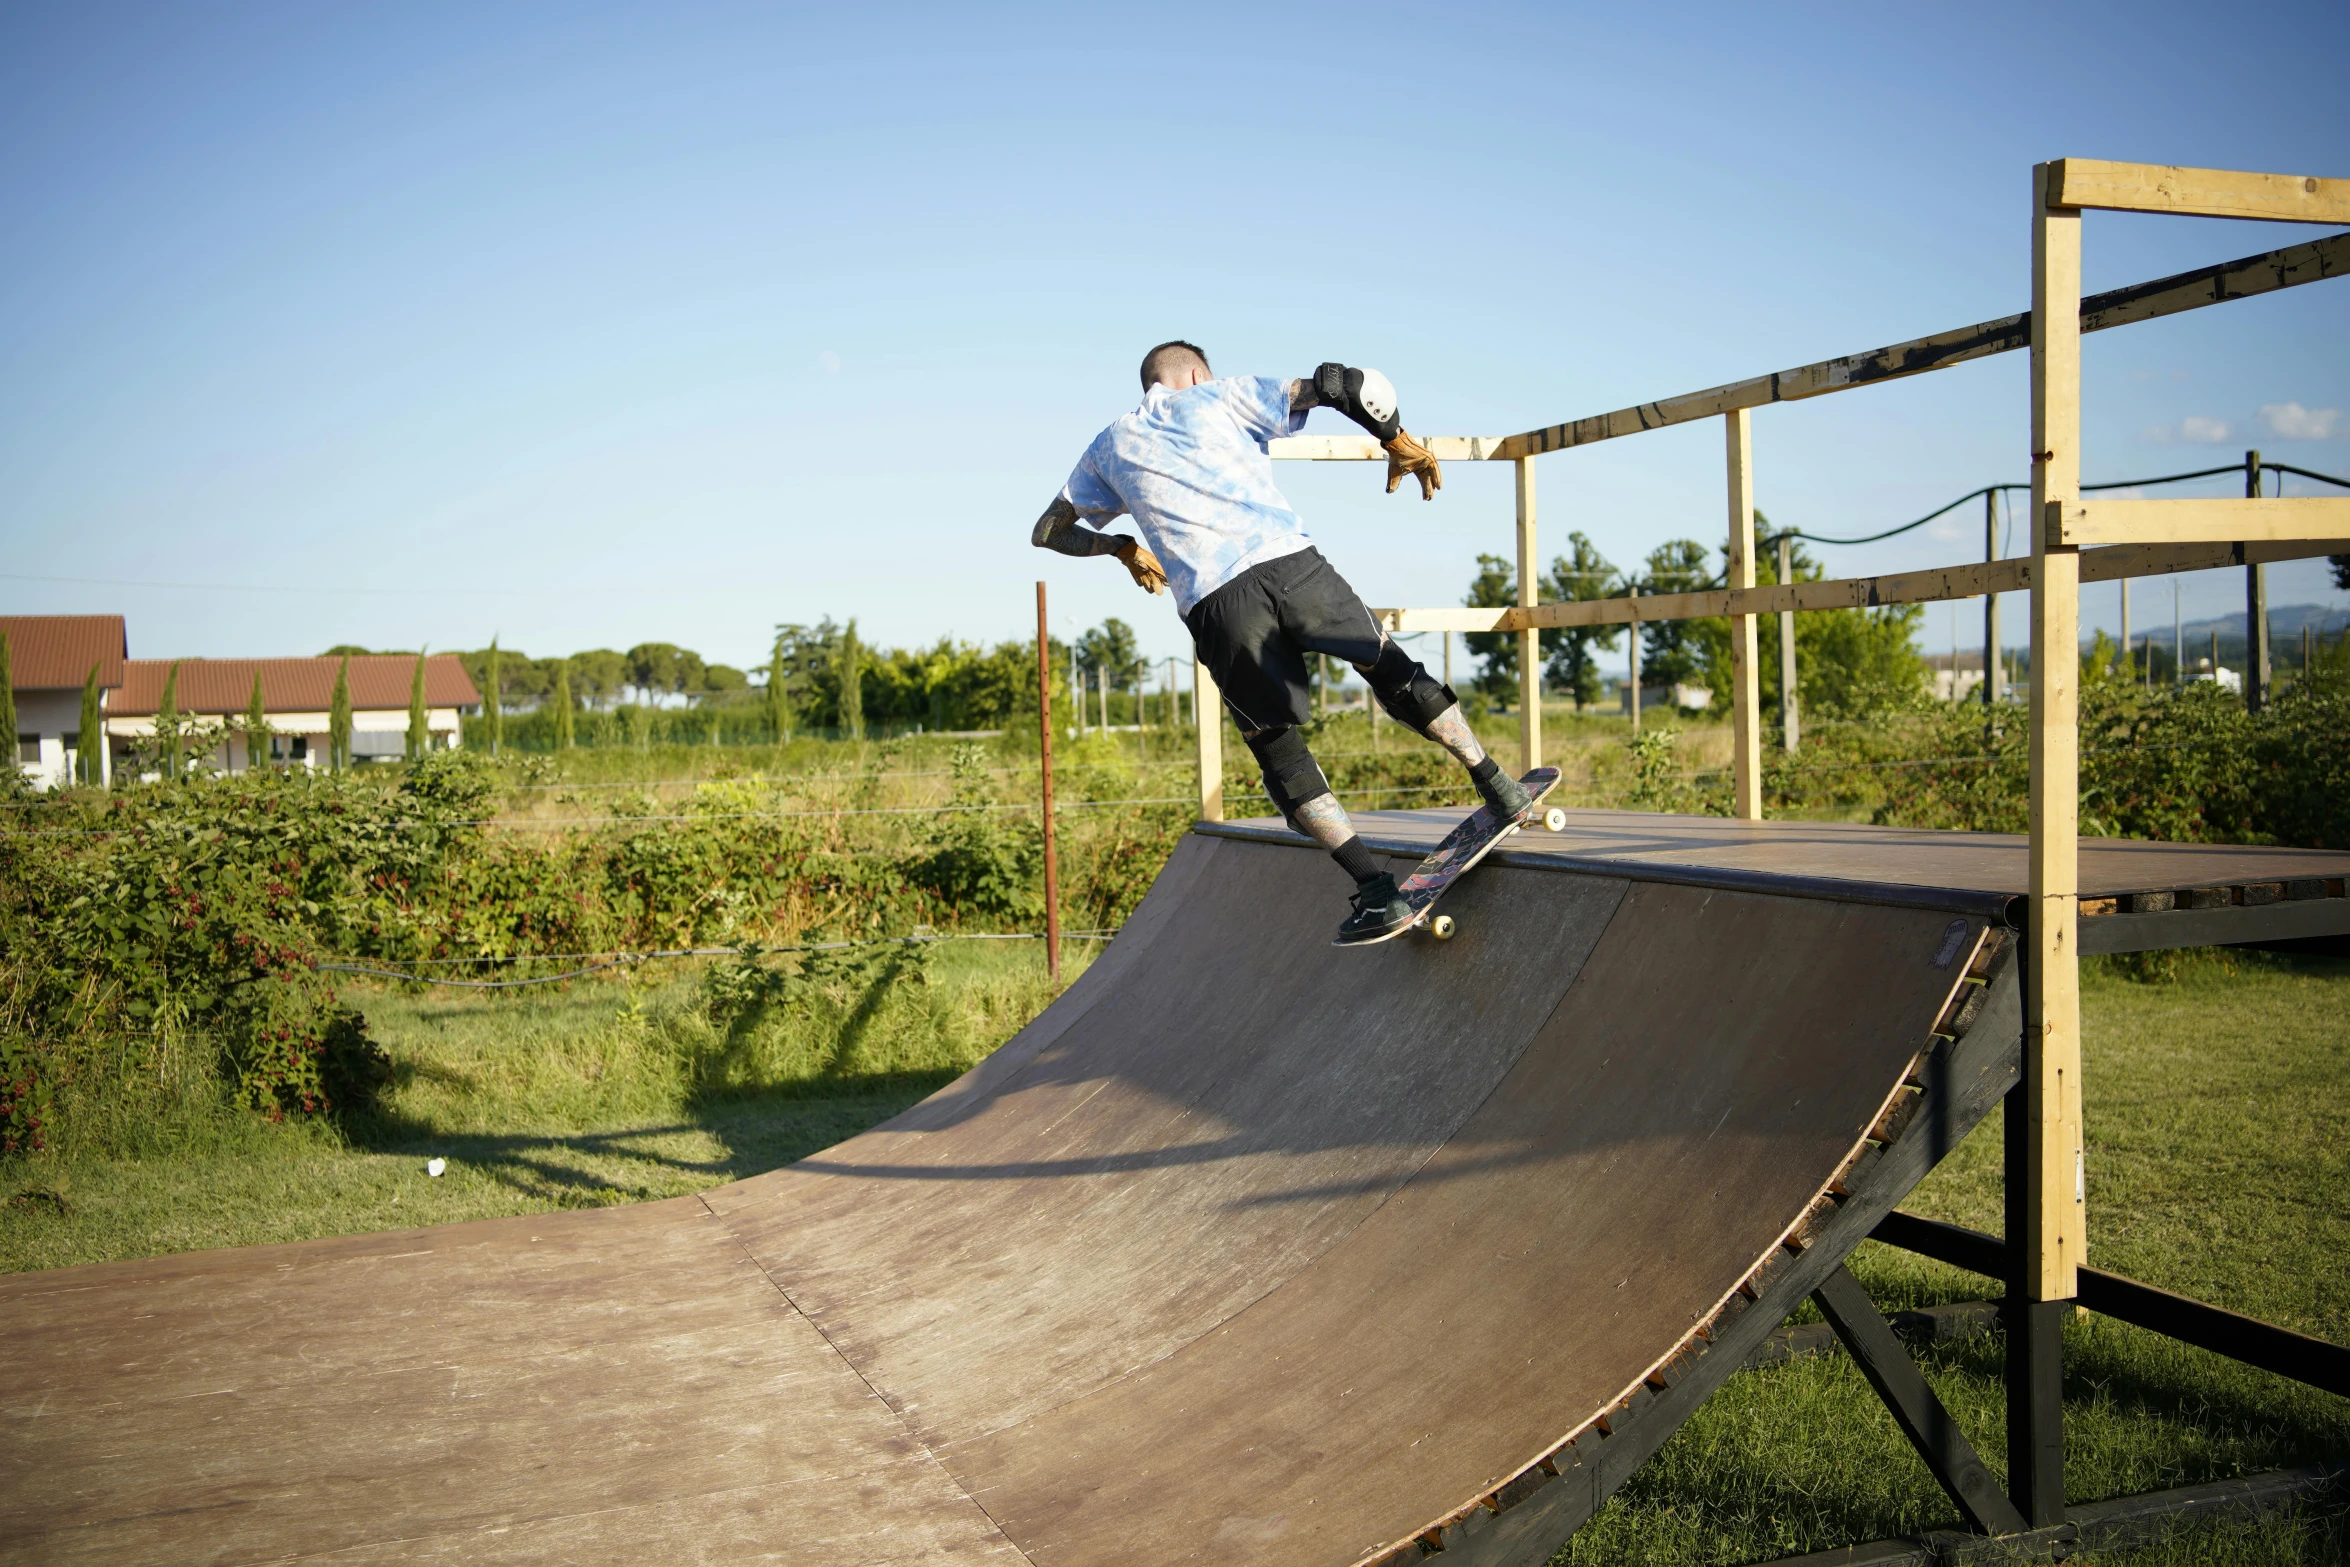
(1190, 465)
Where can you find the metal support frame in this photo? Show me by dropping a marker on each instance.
(1529, 640)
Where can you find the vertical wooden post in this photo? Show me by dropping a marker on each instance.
(2129, 663)
(1790, 728)
(1991, 669)
(1745, 680)
(2056, 1230)
(2256, 651)
(1529, 640)
(1633, 638)
(1207, 713)
(1044, 730)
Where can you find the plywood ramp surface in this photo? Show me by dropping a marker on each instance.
(1247, 1250)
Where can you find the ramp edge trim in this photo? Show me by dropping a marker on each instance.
(2001, 908)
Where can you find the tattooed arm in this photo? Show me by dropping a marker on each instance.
(1058, 530)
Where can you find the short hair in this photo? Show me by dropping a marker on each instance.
(1166, 357)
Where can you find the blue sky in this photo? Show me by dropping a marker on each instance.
(593, 325)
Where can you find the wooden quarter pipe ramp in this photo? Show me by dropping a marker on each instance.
(1248, 1250)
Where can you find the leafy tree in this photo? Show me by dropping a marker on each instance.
(563, 708)
(719, 680)
(419, 730)
(1494, 587)
(1110, 648)
(2341, 565)
(256, 728)
(1673, 652)
(338, 719)
(600, 675)
(8, 706)
(1581, 575)
(659, 669)
(90, 757)
(850, 661)
(493, 718)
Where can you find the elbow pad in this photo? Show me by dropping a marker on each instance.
(1365, 396)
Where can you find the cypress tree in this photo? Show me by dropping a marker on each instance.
(167, 721)
(419, 727)
(8, 704)
(852, 683)
(91, 763)
(563, 707)
(338, 719)
(256, 728)
(493, 720)
(778, 696)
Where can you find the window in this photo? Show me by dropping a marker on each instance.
(301, 747)
(28, 750)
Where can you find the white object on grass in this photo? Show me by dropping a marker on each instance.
(434, 1167)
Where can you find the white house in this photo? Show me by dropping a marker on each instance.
(50, 659)
(296, 696)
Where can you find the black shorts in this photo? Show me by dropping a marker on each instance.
(1255, 631)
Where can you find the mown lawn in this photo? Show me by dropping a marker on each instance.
(2219, 1166)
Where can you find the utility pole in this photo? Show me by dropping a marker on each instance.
(1788, 735)
(2256, 671)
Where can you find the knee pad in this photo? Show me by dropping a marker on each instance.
(1292, 776)
(1413, 697)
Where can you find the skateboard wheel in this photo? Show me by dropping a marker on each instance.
(1555, 819)
(1441, 927)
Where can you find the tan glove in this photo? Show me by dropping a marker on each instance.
(1407, 456)
(1148, 574)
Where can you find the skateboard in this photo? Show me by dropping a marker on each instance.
(1461, 849)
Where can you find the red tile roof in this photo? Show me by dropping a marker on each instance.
(55, 652)
(290, 685)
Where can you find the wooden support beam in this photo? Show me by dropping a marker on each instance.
(2265, 273)
(1915, 1408)
(1364, 448)
(1207, 712)
(2055, 1228)
(1745, 679)
(1529, 638)
(2196, 193)
(2212, 520)
(1932, 586)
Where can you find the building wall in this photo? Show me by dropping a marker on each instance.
(377, 734)
(45, 722)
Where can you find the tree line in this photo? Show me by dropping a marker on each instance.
(1849, 662)
(816, 678)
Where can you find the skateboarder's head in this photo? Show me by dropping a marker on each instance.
(1175, 365)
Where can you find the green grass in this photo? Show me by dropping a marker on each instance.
(2219, 1166)
(603, 1092)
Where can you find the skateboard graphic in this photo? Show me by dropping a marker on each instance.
(1461, 849)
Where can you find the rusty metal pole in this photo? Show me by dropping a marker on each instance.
(1044, 730)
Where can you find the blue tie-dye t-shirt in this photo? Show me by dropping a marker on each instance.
(1192, 469)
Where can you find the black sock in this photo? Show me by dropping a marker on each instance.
(1484, 772)
(1356, 860)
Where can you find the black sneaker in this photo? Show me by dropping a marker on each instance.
(1380, 909)
(1506, 798)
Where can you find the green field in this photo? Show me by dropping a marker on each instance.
(2219, 1166)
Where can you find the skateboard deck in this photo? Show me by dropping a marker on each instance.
(1460, 851)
